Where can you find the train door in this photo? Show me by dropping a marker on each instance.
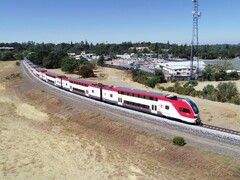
(120, 101)
(87, 93)
(71, 88)
(154, 109)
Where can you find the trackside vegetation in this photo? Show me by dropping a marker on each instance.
(81, 67)
(179, 141)
(219, 73)
(224, 92)
(147, 79)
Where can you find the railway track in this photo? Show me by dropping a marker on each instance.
(230, 131)
(220, 129)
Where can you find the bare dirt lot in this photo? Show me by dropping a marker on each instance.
(42, 138)
(219, 114)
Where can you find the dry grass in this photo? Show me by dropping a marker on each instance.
(87, 145)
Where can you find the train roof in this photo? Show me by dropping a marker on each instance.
(81, 80)
(55, 74)
(41, 69)
(168, 96)
(33, 66)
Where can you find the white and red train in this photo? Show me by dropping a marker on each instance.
(183, 109)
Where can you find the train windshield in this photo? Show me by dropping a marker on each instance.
(193, 105)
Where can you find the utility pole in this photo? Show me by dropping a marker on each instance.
(194, 43)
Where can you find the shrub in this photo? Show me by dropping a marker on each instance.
(86, 71)
(191, 83)
(209, 92)
(226, 91)
(18, 63)
(235, 100)
(179, 141)
(170, 89)
(13, 76)
(151, 82)
(233, 75)
(161, 88)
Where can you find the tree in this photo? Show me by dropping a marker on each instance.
(210, 92)
(158, 73)
(101, 60)
(209, 73)
(233, 75)
(32, 57)
(18, 56)
(221, 74)
(86, 71)
(151, 82)
(69, 64)
(6, 56)
(226, 91)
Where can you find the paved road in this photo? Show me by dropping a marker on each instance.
(135, 119)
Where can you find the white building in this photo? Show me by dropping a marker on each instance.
(179, 70)
(124, 56)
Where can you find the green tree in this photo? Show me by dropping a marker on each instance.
(83, 61)
(233, 75)
(209, 73)
(226, 91)
(151, 82)
(158, 73)
(18, 56)
(69, 64)
(101, 60)
(6, 56)
(33, 57)
(191, 83)
(210, 92)
(221, 74)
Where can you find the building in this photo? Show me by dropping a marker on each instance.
(179, 70)
(6, 48)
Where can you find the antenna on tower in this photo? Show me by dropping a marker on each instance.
(195, 43)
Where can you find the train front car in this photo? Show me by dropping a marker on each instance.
(195, 110)
(187, 111)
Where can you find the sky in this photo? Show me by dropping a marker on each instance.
(116, 21)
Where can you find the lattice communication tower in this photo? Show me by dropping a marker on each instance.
(195, 43)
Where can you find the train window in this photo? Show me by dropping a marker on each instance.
(167, 107)
(120, 100)
(184, 110)
(111, 95)
(155, 108)
(92, 91)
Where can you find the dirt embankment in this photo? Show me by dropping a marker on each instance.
(43, 138)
